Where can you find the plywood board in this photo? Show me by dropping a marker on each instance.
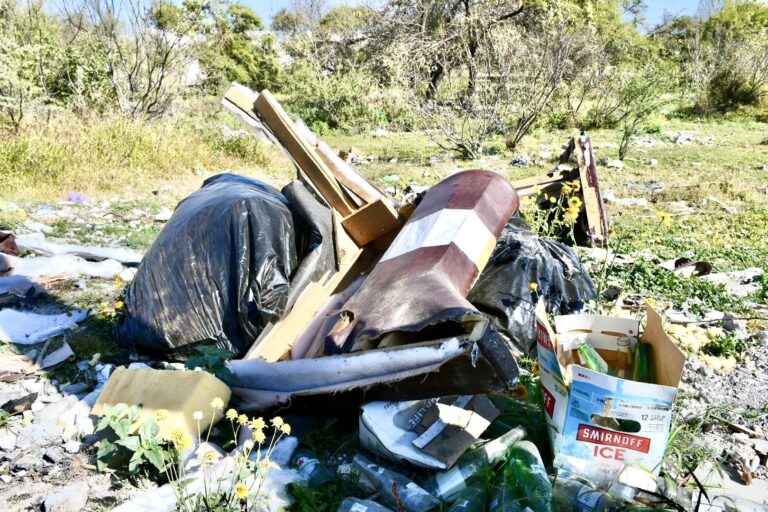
(371, 222)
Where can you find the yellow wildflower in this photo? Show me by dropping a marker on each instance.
(664, 218)
(161, 414)
(571, 214)
(257, 424)
(536, 190)
(576, 184)
(180, 439)
(119, 304)
(258, 436)
(241, 490)
(242, 419)
(574, 203)
(566, 189)
(217, 404)
(22, 214)
(210, 456)
(533, 287)
(552, 199)
(277, 422)
(285, 429)
(231, 414)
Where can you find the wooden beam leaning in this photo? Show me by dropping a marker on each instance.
(302, 152)
(597, 217)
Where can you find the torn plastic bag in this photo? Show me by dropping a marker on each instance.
(417, 290)
(220, 269)
(520, 258)
(36, 242)
(406, 372)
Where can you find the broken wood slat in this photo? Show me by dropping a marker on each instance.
(526, 186)
(371, 222)
(347, 176)
(597, 220)
(302, 152)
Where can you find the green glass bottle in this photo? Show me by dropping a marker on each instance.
(396, 490)
(448, 483)
(473, 497)
(641, 370)
(505, 497)
(312, 469)
(570, 495)
(526, 469)
(592, 360)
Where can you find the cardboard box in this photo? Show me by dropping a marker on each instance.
(581, 405)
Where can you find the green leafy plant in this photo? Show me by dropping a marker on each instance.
(234, 484)
(213, 360)
(728, 345)
(139, 450)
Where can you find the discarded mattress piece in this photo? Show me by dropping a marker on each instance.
(417, 290)
(25, 328)
(236, 239)
(504, 290)
(36, 242)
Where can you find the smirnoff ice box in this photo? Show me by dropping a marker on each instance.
(600, 425)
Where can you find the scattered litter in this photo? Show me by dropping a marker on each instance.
(610, 197)
(36, 242)
(76, 197)
(25, 328)
(653, 162)
(430, 433)
(396, 490)
(728, 208)
(164, 214)
(65, 264)
(648, 186)
(738, 282)
(687, 267)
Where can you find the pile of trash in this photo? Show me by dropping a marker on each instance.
(416, 311)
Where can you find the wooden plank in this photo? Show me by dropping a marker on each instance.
(371, 222)
(597, 221)
(302, 152)
(347, 176)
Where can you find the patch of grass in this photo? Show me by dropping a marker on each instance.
(685, 451)
(143, 238)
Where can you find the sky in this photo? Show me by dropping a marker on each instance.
(654, 14)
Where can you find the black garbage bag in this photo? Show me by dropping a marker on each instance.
(504, 293)
(221, 268)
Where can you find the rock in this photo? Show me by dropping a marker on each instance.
(21, 404)
(30, 459)
(72, 446)
(54, 454)
(7, 440)
(648, 186)
(653, 162)
(37, 434)
(521, 160)
(51, 414)
(741, 437)
(380, 132)
(6, 479)
(163, 214)
(71, 498)
(393, 160)
(610, 197)
(615, 164)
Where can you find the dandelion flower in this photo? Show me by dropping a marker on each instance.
(217, 404)
(197, 415)
(180, 439)
(210, 456)
(231, 414)
(119, 304)
(536, 190)
(242, 419)
(664, 218)
(552, 199)
(533, 287)
(258, 436)
(574, 203)
(576, 184)
(241, 490)
(161, 414)
(257, 424)
(285, 429)
(571, 214)
(277, 421)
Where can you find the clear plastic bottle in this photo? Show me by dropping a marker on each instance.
(315, 472)
(396, 490)
(358, 505)
(448, 483)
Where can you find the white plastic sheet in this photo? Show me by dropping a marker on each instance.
(25, 328)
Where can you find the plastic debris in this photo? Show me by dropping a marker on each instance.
(25, 328)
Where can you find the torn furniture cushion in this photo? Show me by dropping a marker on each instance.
(417, 290)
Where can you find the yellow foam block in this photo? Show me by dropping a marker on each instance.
(181, 393)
